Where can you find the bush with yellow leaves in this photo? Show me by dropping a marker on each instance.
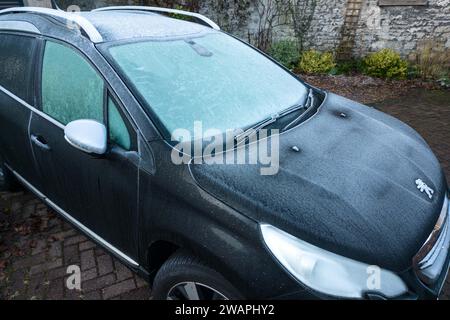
(385, 63)
(314, 62)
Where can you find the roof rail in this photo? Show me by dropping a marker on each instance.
(82, 22)
(201, 18)
(14, 25)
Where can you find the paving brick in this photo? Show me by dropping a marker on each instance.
(17, 282)
(98, 283)
(29, 261)
(87, 260)
(72, 294)
(122, 272)
(28, 210)
(65, 234)
(71, 255)
(99, 251)
(55, 250)
(86, 245)
(47, 266)
(94, 295)
(140, 282)
(15, 207)
(39, 246)
(57, 273)
(37, 287)
(137, 294)
(104, 264)
(66, 226)
(74, 240)
(118, 288)
(56, 290)
(89, 274)
(41, 206)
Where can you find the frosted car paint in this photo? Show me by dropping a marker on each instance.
(180, 204)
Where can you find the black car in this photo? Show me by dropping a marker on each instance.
(355, 206)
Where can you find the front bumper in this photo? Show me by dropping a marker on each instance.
(427, 277)
(431, 265)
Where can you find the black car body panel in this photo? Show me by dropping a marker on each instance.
(350, 190)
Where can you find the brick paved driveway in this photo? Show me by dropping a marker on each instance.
(36, 246)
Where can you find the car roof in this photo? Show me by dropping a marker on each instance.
(109, 25)
(124, 25)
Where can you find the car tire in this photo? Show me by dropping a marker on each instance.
(185, 277)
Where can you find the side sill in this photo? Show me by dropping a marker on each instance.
(76, 223)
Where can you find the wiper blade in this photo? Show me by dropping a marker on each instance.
(257, 127)
(268, 121)
(308, 105)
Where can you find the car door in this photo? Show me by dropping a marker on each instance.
(17, 56)
(98, 193)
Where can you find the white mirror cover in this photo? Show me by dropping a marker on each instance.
(87, 135)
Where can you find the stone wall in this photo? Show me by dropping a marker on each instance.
(401, 28)
(325, 31)
(360, 26)
(351, 27)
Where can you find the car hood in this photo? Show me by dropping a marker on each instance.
(351, 189)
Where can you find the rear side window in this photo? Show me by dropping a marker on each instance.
(71, 88)
(16, 65)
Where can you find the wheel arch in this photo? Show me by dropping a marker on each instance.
(157, 253)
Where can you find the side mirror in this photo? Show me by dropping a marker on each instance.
(87, 135)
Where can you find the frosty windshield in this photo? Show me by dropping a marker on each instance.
(214, 79)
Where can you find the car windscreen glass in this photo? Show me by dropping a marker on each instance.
(213, 79)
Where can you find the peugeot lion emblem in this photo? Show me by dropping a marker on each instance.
(422, 186)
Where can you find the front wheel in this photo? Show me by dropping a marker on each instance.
(184, 277)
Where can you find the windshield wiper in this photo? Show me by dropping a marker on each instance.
(308, 105)
(268, 121)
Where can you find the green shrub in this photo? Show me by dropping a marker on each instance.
(312, 61)
(385, 63)
(413, 72)
(285, 52)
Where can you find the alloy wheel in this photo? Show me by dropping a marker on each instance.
(194, 291)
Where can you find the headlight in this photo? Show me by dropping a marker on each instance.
(327, 272)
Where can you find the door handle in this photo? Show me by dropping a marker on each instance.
(40, 142)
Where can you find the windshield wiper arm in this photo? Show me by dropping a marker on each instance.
(273, 118)
(268, 121)
(257, 127)
(308, 105)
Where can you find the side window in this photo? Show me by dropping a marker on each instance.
(16, 65)
(118, 131)
(71, 88)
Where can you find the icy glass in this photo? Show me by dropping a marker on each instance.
(118, 132)
(16, 64)
(214, 79)
(71, 88)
